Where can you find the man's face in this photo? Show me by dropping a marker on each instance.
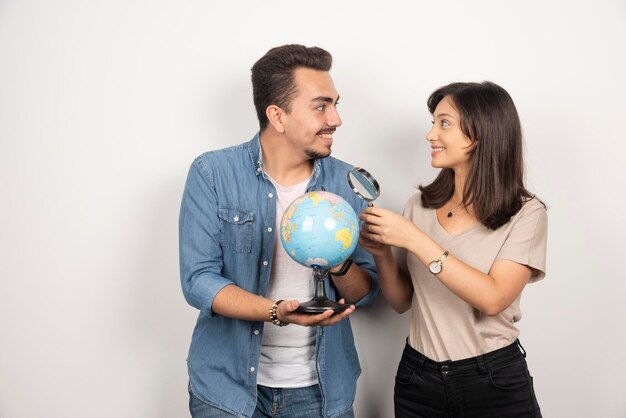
(313, 118)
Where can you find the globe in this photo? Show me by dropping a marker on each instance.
(319, 229)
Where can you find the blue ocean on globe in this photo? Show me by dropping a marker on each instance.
(319, 229)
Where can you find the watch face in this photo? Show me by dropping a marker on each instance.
(434, 267)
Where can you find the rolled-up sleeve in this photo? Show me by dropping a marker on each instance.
(200, 252)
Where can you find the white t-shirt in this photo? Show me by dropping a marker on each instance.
(288, 353)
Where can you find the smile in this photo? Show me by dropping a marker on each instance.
(327, 135)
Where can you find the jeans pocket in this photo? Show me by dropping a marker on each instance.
(236, 229)
(509, 376)
(406, 371)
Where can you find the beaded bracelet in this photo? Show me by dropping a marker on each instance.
(273, 316)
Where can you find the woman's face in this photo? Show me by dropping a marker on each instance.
(450, 146)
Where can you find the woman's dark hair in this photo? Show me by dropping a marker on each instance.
(273, 75)
(495, 182)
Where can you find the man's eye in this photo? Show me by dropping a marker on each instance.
(320, 107)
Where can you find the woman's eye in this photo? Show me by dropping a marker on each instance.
(445, 123)
(432, 122)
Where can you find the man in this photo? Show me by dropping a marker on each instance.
(243, 360)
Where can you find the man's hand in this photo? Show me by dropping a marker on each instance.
(286, 312)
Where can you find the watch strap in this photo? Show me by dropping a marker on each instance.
(344, 268)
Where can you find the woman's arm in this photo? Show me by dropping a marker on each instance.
(489, 293)
(395, 284)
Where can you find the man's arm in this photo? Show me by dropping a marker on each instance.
(360, 283)
(235, 302)
(201, 254)
(201, 262)
(354, 285)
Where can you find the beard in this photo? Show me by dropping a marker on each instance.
(316, 154)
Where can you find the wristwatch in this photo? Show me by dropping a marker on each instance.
(435, 266)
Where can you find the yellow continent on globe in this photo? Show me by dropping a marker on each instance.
(345, 236)
(316, 198)
(287, 231)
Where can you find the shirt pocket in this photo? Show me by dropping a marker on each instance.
(236, 229)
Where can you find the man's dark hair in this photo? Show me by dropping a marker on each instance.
(273, 75)
(495, 185)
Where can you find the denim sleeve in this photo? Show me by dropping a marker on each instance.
(366, 261)
(199, 241)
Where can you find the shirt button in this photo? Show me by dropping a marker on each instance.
(236, 218)
(252, 369)
(269, 229)
(270, 195)
(265, 263)
(256, 332)
(258, 169)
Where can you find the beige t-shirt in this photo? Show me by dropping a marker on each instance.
(445, 327)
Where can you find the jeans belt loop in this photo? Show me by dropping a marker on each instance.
(481, 364)
(521, 348)
(420, 365)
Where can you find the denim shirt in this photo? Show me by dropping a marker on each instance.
(226, 224)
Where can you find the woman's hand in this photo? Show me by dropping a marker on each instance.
(375, 248)
(382, 228)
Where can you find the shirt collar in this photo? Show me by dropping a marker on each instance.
(256, 157)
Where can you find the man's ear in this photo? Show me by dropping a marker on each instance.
(275, 116)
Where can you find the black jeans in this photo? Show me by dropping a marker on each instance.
(496, 384)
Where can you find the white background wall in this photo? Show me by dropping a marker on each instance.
(103, 105)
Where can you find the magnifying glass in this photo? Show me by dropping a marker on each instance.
(364, 184)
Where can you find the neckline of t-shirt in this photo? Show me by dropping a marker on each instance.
(296, 186)
(443, 231)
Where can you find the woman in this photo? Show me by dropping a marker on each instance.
(466, 246)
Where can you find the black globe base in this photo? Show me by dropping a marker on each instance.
(315, 306)
(320, 302)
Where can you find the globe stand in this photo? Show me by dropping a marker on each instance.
(320, 302)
